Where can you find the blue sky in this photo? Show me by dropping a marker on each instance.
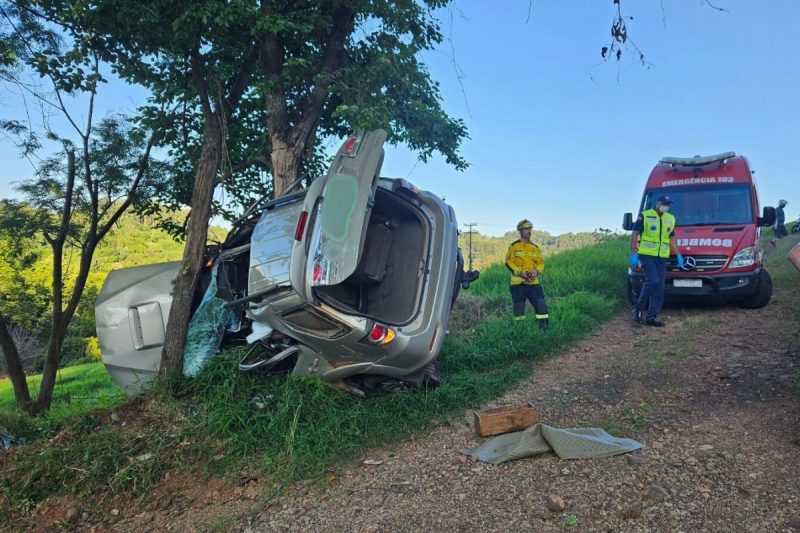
(567, 142)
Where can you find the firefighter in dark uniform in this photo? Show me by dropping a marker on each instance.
(524, 260)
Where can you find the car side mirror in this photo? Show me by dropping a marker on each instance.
(768, 218)
(627, 221)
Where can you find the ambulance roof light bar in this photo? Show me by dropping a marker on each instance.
(697, 160)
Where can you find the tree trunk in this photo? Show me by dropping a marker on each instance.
(58, 331)
(50, 371)
(196, 235)
(14, 366)
(285, 164)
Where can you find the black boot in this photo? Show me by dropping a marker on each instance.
(636, 313)
(653, 321)
(544, 323)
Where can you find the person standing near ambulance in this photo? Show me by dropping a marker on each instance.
(524, 260)
(652, 242)
(780, 220)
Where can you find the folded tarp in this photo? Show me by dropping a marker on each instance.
(572, 443)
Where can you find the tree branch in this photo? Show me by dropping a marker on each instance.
(87, 167)
(33, 52)
(331, 60)
(258, 161)
(200, 84)
(242, 80)
(709, 4)
(143, 164)
(66, 214)
(272, 63)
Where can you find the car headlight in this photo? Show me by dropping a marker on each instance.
(744, 258)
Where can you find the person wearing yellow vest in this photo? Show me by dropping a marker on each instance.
(524, 260)
(652, 242)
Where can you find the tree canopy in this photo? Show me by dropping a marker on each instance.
(249, 86)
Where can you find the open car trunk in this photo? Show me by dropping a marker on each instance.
(387, 282)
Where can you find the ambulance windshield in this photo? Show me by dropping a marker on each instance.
(703, 205)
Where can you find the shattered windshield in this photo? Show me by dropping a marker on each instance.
(706, 205)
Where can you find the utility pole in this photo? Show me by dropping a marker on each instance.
(470, 226)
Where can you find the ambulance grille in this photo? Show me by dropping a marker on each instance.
(703, 263)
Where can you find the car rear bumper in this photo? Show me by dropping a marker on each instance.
(729, 286)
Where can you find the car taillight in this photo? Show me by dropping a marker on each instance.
(350, 146)
(381, 334)
(317, 272)
(301, 226)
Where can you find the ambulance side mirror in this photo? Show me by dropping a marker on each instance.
(627, 221)
(768, 218)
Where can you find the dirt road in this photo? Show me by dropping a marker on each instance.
(714, 397)
(711, 396)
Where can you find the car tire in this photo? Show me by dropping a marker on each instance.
(763, 293)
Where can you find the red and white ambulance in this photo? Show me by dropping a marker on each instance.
(718, 227)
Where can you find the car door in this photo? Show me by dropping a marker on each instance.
(336, 211)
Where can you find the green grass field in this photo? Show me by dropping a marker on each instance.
(79, 389)
(294, 428)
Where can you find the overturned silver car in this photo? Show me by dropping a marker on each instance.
(350, 280)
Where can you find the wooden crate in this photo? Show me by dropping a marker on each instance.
(499, 420)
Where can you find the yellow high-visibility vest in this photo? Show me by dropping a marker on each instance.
(654, 240)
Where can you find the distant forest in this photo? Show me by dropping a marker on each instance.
(136, 241)
(488, 250)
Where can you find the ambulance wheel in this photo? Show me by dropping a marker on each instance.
(762, 295)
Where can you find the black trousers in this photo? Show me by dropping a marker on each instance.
(529, 293)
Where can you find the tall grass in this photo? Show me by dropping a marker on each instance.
(295, 427)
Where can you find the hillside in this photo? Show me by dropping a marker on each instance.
(488, 250)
